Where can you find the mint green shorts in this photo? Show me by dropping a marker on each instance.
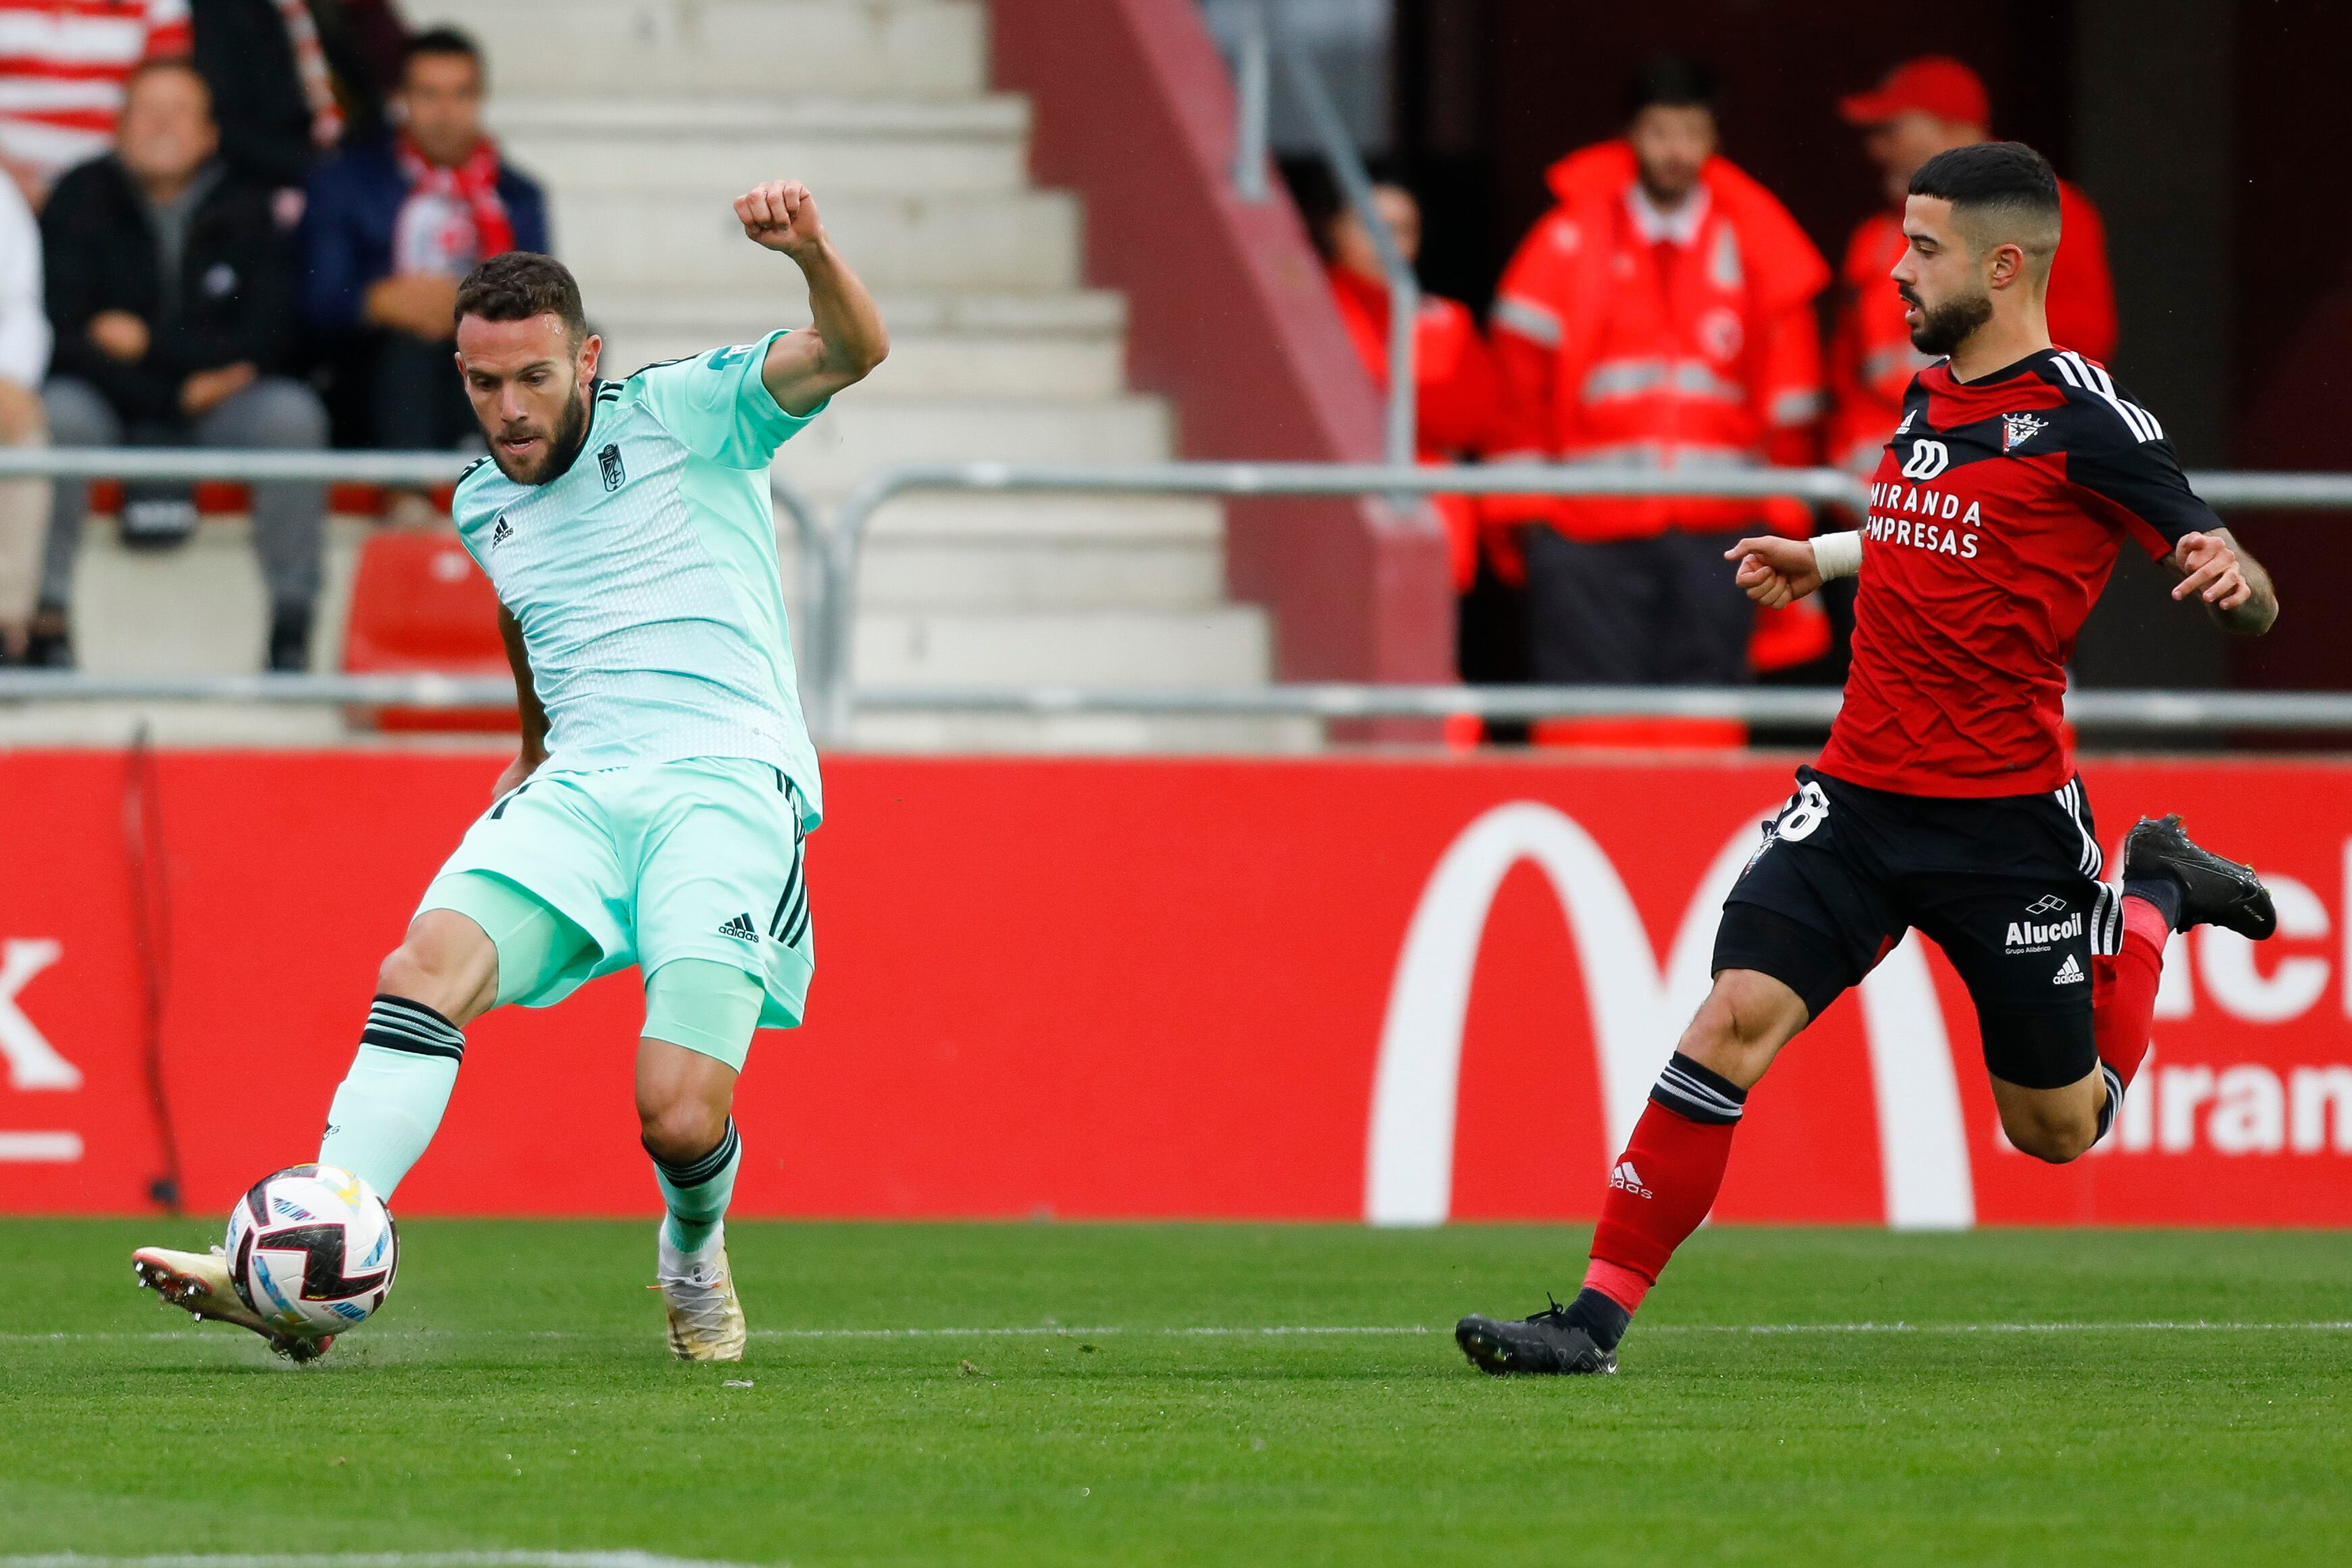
(701, 858)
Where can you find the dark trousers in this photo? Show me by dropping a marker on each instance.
(1635, 612)
(416, 401)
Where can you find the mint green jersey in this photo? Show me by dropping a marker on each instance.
(644, 577)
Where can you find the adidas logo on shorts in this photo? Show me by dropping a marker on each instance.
(741, 929)
(2069, 972)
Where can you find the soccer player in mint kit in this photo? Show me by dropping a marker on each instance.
(656, 813)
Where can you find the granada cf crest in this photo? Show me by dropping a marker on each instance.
(609, 460)
(2017, 429)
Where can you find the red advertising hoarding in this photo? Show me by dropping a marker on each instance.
(1402, 990)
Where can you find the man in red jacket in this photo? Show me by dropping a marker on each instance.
(1461, 409)
(1660, 317)
(1925, 107)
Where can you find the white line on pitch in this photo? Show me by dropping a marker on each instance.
(368, 1560)
(2328, 1325)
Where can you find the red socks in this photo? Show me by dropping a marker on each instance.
(2124, 986)
(1665, 1181)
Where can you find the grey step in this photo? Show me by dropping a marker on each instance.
(929, 48)
(930, 365)
(1052, 520)
(1224, 647)
(688, 239)
(1036, 575)
(856, 437)
(199, 609)
(1082, 733)
(708, 318)
(836, 147)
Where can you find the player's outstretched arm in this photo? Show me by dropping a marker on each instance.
(847, 338)
(534, 716)
(2231, 585)
(1773, 570)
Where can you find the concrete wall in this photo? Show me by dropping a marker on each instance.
(1230, 320)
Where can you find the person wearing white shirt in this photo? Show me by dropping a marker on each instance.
(23, 359)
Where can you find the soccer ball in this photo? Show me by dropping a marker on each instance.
(312, 1249)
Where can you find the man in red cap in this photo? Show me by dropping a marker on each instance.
(1924, 107)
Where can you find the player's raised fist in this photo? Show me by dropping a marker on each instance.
(781, 215)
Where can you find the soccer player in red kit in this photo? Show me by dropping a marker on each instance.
(1946, 798)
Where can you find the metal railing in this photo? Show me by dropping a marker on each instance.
(834, 697)
(174, 465)
(829, 562)
(1261, 40)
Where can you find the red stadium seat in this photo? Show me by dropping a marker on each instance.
(420, 604)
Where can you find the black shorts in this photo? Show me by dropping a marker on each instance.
(2007, 887)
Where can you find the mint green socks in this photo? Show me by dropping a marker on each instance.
(696, 1191)
(386, 1110)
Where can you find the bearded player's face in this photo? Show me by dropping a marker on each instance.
(1942, 284)
(530, 387)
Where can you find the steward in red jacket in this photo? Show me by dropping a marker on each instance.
(1925, 107)
(1660, 317)
(1460, 407)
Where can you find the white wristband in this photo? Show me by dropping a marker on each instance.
(1837, 556)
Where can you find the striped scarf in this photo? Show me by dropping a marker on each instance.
(311, 65)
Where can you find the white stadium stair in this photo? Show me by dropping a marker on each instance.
(643, 119)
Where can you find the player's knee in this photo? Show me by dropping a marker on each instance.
(2055, 1140)
(1743, 1023)
(446, 963)
(681, 1128)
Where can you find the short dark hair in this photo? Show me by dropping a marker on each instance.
(440, 41)
(1671, 81)
(520, 284)
(1998, 190)
(156, 65)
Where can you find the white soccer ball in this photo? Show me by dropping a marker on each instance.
(312, 1249)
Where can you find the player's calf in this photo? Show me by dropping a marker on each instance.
(2054, 1125)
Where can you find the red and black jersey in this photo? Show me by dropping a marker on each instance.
(1994, 518)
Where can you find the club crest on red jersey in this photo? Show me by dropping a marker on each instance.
(2017, 429)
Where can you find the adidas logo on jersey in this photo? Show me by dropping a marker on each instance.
(2017, 429)
(2069, 972)
(501, 533)
(741, 929)
(1625, 1179)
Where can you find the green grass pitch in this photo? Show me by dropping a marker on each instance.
(515, 1395)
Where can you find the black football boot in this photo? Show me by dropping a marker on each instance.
(1553, 1341)
(2213, 891)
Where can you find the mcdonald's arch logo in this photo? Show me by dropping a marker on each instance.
(1639, 1008)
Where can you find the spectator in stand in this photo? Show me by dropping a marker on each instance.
(23, 359)
(171, 289)
(288, 77)
(1925, 107)
(1460, 408)
(393, 225)
(62, 66)
(1660, 317)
